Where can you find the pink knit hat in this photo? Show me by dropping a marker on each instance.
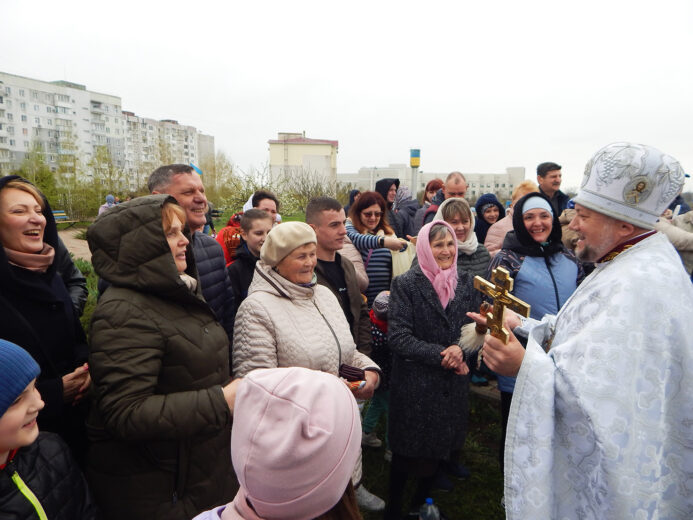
(295, 441)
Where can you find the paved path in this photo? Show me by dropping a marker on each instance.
(76, 246)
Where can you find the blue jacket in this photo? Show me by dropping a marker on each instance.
(214, 280)
(545, 274)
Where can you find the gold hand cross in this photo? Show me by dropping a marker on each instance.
(499, 289)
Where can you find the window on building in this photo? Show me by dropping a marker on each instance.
(49, 122)
(21, 92)
(34, 94)
(37, 120)
(9, 103)
(12, 142)
(25, 131)
(23, 118)
(26, 144)
(22, 106)
(503, 185)
(36, 108)
(10, 117)
(496, 185)
(10, 130)
(8, 90)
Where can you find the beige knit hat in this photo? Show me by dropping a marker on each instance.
(284, 238)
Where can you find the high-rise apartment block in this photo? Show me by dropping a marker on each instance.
(77, 130)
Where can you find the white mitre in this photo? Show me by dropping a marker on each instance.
(630, 182)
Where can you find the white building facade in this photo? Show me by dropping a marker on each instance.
(501, 184)
(74, 127)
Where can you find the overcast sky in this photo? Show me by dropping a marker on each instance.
(477, 86)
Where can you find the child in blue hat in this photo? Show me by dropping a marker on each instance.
(38, 477)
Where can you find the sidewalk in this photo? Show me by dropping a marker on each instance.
(79, 248)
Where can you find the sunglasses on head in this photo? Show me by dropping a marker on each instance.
(369, 214)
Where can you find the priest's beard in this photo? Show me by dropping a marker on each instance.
(599, 243)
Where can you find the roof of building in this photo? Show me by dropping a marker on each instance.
(304, 140)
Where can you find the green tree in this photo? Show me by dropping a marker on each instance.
(35, 169)
(105, 172)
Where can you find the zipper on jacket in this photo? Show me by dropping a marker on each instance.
(28, 493)
(339, 346)
(555, 287)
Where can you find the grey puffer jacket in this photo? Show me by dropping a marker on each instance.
(159, 424)
(281, 324)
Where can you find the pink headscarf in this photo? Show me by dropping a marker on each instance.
(444, 281)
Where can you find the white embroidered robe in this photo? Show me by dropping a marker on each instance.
(601, 427)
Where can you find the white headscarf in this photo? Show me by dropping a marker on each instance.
(470, 245)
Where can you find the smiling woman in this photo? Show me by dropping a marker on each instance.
(160, 362)
(37, 311)
(545, 272)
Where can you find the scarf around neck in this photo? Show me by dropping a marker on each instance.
(39, 262)
(444, 281)
(189, 281)
(471, 243)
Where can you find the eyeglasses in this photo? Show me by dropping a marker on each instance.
(371, 214)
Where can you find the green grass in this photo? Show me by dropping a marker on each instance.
(476, 498)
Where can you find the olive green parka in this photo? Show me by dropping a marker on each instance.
(160, 426)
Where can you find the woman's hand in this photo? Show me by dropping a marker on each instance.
(230, 393)
(394, 243)
(366, 392)
(452, 358)
(76, 383)
(412, 239)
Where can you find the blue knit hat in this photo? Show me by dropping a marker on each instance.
(17, 370)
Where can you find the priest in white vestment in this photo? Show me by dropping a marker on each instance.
(601, 422)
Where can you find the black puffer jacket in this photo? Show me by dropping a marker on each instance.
(159, 424)
(49, 471)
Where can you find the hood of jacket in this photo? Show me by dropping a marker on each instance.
(129, 248)
(266, 279)
(438, 198)
(383, 186)
(520, 241)
(50, 232)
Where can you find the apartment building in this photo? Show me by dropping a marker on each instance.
(73, 127)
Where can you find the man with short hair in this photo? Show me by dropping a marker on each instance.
(326, 216)
(185, 185)
(455, 187)
(600, 425)
(549, 179)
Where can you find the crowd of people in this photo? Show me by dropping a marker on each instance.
(241, 377)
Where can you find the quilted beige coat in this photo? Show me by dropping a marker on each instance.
(281, 324)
